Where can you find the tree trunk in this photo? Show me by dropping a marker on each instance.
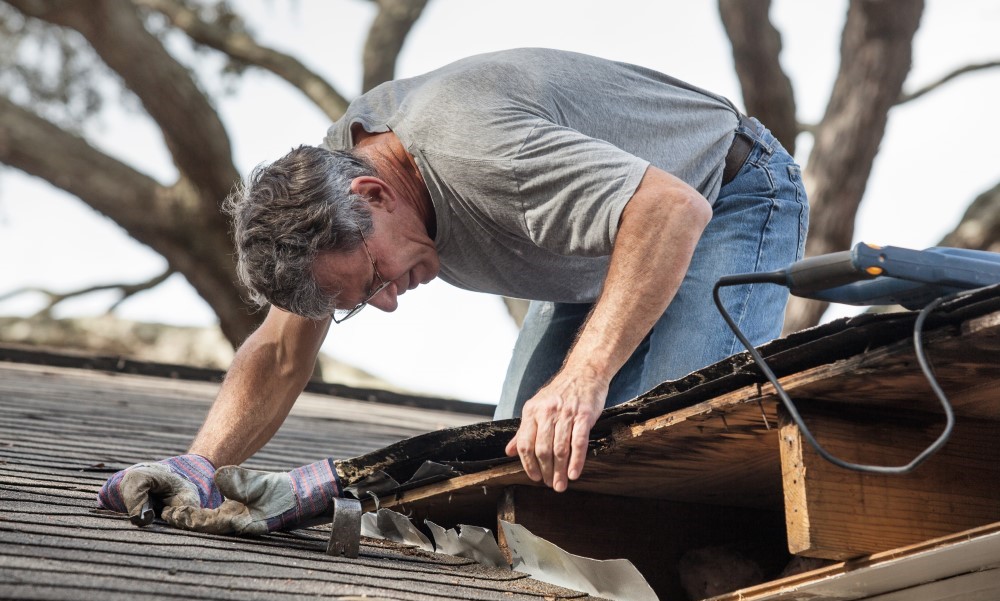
(875, 57)
(385, 39)
(980, 226)
(767, 90)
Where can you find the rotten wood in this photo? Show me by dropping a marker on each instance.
(726, 450)
(733, 388)
(469, 499)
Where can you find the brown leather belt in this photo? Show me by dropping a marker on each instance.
(738, 152)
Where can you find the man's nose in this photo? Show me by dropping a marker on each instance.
(386, 299)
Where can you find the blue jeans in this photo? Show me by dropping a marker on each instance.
(759, 223)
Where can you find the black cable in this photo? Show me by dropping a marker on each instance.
(778, 277)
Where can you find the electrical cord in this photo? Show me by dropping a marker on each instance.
(779, 277)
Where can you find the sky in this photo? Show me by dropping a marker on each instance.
(938, 153)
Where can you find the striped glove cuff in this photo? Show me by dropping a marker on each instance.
(314, 486)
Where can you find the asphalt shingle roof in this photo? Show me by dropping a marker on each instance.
(63, 431)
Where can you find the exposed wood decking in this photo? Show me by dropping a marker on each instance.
(718, 439)
(64, 431)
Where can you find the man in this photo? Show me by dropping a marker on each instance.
(610, 195)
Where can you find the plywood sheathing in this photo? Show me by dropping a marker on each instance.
(713, 437)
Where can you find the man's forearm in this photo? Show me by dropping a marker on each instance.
(266, 377)
(659, 230)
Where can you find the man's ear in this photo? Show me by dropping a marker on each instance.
(376, 192)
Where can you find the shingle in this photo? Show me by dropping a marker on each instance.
(64, 431)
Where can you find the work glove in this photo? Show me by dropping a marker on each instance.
(185, 480)
(259, 502)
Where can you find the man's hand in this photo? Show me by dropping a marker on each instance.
(555, 428)
(185, 480)
(657, 234)
(261, 502)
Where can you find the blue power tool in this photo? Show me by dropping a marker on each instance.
(889, 275)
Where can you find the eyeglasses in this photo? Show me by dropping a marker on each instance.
(342, 315)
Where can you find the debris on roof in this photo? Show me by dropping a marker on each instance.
(615, 579)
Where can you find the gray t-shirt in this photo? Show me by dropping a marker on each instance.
(530, 155)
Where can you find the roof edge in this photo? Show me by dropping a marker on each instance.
(37, 355)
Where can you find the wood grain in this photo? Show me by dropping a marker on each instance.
(834, 513)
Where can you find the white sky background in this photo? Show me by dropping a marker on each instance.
(939, 152)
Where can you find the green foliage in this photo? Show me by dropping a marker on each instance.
(56, 73)
(50, 69)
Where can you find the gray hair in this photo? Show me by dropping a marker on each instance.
(287, 213)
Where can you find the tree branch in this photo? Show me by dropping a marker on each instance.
(385, 39)
(979, 228)
(950, 76)
(127, 291)
(244, 48)
(191, 128)
(812, 128)
(767, 90)
(170, 220)
(134, 200)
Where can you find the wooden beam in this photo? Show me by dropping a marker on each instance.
(835, 513)
(654, 535)
(469, 499)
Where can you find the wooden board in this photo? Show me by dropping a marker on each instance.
(835, 513)
(963, 566)
(692, 460)
(820, 363)
(965, 365)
